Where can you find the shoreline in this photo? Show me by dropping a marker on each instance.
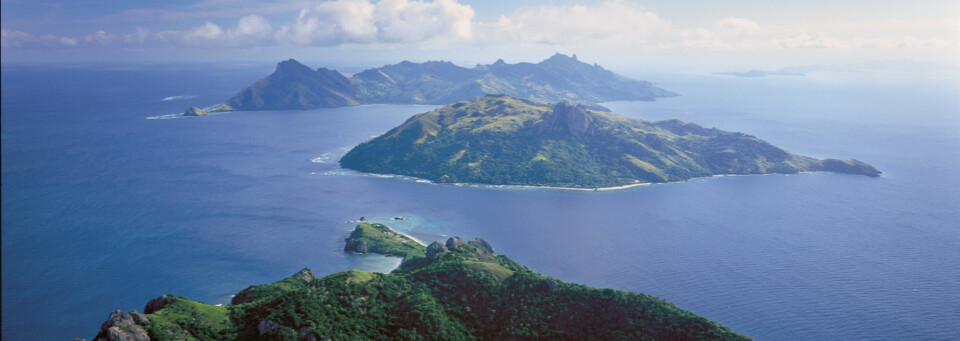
(590, 189)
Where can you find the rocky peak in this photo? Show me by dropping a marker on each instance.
(567, 118)
(155, 304)
(292, 66)
(122, 326)
(436, 248)
(455, 243)
(194, 111)
(481, 245)
(306, 275)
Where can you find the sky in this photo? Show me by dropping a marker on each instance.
(674, 34)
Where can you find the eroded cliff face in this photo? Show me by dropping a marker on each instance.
(566, 118)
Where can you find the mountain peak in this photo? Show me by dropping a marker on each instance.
(559, 57)
(567, 118)
(292, 65)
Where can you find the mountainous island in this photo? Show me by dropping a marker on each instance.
(497, 139)
(446, 291)
(296, 86)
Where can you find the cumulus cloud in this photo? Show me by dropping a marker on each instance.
(19, 39)
(387, 21)
(614, 22)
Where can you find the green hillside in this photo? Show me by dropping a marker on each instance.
(453, 291)
(507, 141)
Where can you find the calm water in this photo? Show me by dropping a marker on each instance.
(104, 209)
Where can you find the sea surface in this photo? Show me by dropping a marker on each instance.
(105, 209)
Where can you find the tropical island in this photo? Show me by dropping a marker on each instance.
(446, 291)
(294, 86)
(500, 140)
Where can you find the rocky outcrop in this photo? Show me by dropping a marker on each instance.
(481, 245)
(123, 326)
(194, 111)
(357, 246)
(155, 304)
(306, 275)
(267, 325)
(455, 243)
(567, 119)
(306, 334)
(436, 248)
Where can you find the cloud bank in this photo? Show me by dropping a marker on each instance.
(616, 24)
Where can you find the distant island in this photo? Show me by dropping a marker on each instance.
(761, 73)
(296, 86)
(447, 291)
(500, 140)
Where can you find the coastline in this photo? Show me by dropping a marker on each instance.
(590, 189)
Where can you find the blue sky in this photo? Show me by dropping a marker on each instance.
(744, 33)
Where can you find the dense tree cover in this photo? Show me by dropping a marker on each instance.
(461, 292)
(507, 141)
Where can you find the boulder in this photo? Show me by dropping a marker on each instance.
(155, 304)
(267, 325)
(121, 326)
(481, 245)
(435, 248)
(455, 242)
(306, 334)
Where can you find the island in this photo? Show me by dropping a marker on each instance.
(450, 291)
(501, 140)
(296, 86)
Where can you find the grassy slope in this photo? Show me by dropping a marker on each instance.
(382, 239)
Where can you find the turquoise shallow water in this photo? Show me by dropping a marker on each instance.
(104, 209)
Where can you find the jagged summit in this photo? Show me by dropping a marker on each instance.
(567, 118)
(560, 77)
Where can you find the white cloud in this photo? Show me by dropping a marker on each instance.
(732, 25)
(614, 25)
(208, 32)
(614, 22)
(387, 21)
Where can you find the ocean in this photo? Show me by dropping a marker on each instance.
(107, 202)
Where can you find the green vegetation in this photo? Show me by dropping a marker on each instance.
(183, 319)
(455, 291)
(380, 238)
(296, 86)
(508, 141)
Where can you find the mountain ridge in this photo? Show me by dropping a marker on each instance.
(293, 85)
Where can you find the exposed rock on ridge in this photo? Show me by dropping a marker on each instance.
(567, 119)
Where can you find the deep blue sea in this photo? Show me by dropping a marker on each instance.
(104, 209)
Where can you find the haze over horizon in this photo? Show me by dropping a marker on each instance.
(613, 33)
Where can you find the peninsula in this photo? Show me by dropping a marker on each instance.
(296, 86)
(501, 140)
(458, 290)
